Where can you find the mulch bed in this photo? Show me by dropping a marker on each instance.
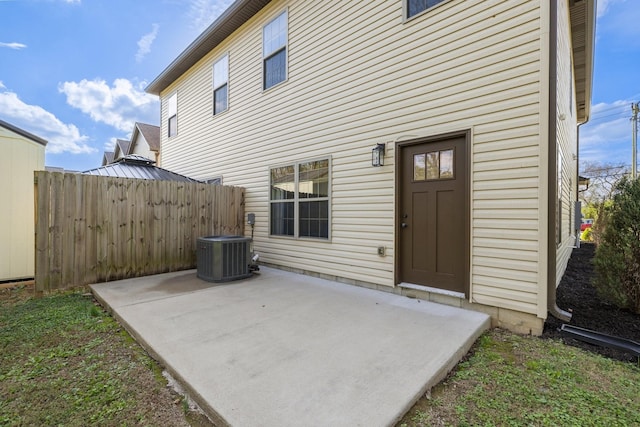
(577, 295)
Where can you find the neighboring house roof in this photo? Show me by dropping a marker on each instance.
(230, 20)
(108, 157)
(23, 132)
(122, 148)
(150, 133)
(133, 166)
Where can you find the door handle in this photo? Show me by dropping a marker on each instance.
(404, 225)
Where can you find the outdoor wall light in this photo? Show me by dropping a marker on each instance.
(377, 155)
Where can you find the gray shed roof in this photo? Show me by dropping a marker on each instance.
(133, 166)
(231, 19)
(23, 132)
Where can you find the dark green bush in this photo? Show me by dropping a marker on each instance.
(617, 259)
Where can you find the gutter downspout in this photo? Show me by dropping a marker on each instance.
(552, 305)
(577, 226)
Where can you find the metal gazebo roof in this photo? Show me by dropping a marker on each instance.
(134, 166)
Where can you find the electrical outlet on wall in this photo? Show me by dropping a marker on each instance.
(381, 250)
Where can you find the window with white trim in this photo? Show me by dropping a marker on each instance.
(172, 122)
(221, 85)
(274, 51)
(299, 200)
(414, 7)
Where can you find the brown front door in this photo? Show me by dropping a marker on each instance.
(433, 214)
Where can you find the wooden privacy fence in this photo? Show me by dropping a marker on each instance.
(92, 229)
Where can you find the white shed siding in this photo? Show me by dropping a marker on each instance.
(19, 158)
(566, 136)
(358, 75)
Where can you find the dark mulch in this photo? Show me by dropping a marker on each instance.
(577, 295)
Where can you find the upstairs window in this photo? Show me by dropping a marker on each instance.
(414, 7)
(274, 51)
(172, 107)
(299, 200)
(221, 85)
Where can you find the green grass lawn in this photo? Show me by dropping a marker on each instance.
(511, 380)
(64, 361)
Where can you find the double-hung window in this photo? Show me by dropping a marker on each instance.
(172, 110)
(274, 51)
(299, 200)
(221, 85)
(414, 7)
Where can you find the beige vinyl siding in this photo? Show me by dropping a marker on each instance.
(19, 158)
(567, 137)
(357, 76)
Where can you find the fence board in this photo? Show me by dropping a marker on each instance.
(90, 274)
(91, 229)
(57, 221)
(100, 200)
(42, 209)
(79, 234)
(67, 239)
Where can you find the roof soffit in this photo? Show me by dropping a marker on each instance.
(582, 15)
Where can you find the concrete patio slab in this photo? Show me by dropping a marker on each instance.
(282, 349)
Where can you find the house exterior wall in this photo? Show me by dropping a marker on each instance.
(358, 76)
(19, 158)
(567, 138)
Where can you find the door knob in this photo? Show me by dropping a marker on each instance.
(403, 225)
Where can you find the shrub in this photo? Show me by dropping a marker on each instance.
(617, 259)
(587, 235)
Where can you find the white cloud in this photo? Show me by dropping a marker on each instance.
(62, 138)
(111, 144)
(145, 42)
(202, 13)
(2, 86)
(120, 105)
(13, 45)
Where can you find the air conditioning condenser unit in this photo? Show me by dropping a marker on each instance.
(223, 258)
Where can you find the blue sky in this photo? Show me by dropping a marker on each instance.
(74, 71)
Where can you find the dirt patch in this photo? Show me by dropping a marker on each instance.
(577, 295)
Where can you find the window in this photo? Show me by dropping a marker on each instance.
(414, 7)
(221, 85)
(433, 165)
(299, 200)
(274, 51)
(172, 107)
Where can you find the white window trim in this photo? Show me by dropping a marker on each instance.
(286, 51)
(226, 54)
(296, 200)
(169, 115)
